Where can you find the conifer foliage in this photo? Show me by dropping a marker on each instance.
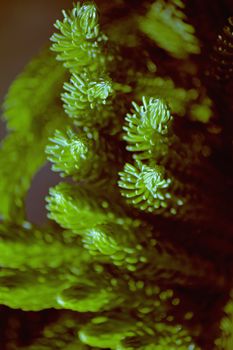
(132, 256)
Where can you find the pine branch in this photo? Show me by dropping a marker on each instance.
(60, 288)
(167, 337)
(31, 111)
(16, 173)
(225, 340)
(221, 66)
(15, 178)
(150, 136)
(146, 187)
(19, 288)
(165, 23)
(79, 209)
(32, 93)
(29, 247)
(50, 274)
(93, 295)
(86, 156)
(117, 273)
(122, 332)
(59, 335)
(145, 184)
(147, 128)
(89, 95)
(192, 103)
(128, 250)
(79, 40)
(73, 154)
(154, 183)
(79, 46)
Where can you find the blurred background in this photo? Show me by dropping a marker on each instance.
(25, 27)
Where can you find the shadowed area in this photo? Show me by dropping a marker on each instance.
(35, 200)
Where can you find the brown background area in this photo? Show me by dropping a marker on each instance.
(25, 27)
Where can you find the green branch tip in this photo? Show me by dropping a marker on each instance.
(147, 127)
(71, 153)
(144, 186)
(77, 43)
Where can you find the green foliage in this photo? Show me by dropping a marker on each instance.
(83, 155)
(192, 102)
(131, 251)
(31, 113)
(26, 246)
(15, 178)
(92, 295)
(74, 209)
(121, 332)
(32, 95)
(26, 284)
(37, 262)
(225, 340)
(166, 25)
(167, 337)
(77, 44)
(147, 128)
(59, 335)
(85, 93)
(118, 243)
(106, 332)
(145, 187)
(90, 94)
(153, 182)
(78, 208)
(70, 154)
